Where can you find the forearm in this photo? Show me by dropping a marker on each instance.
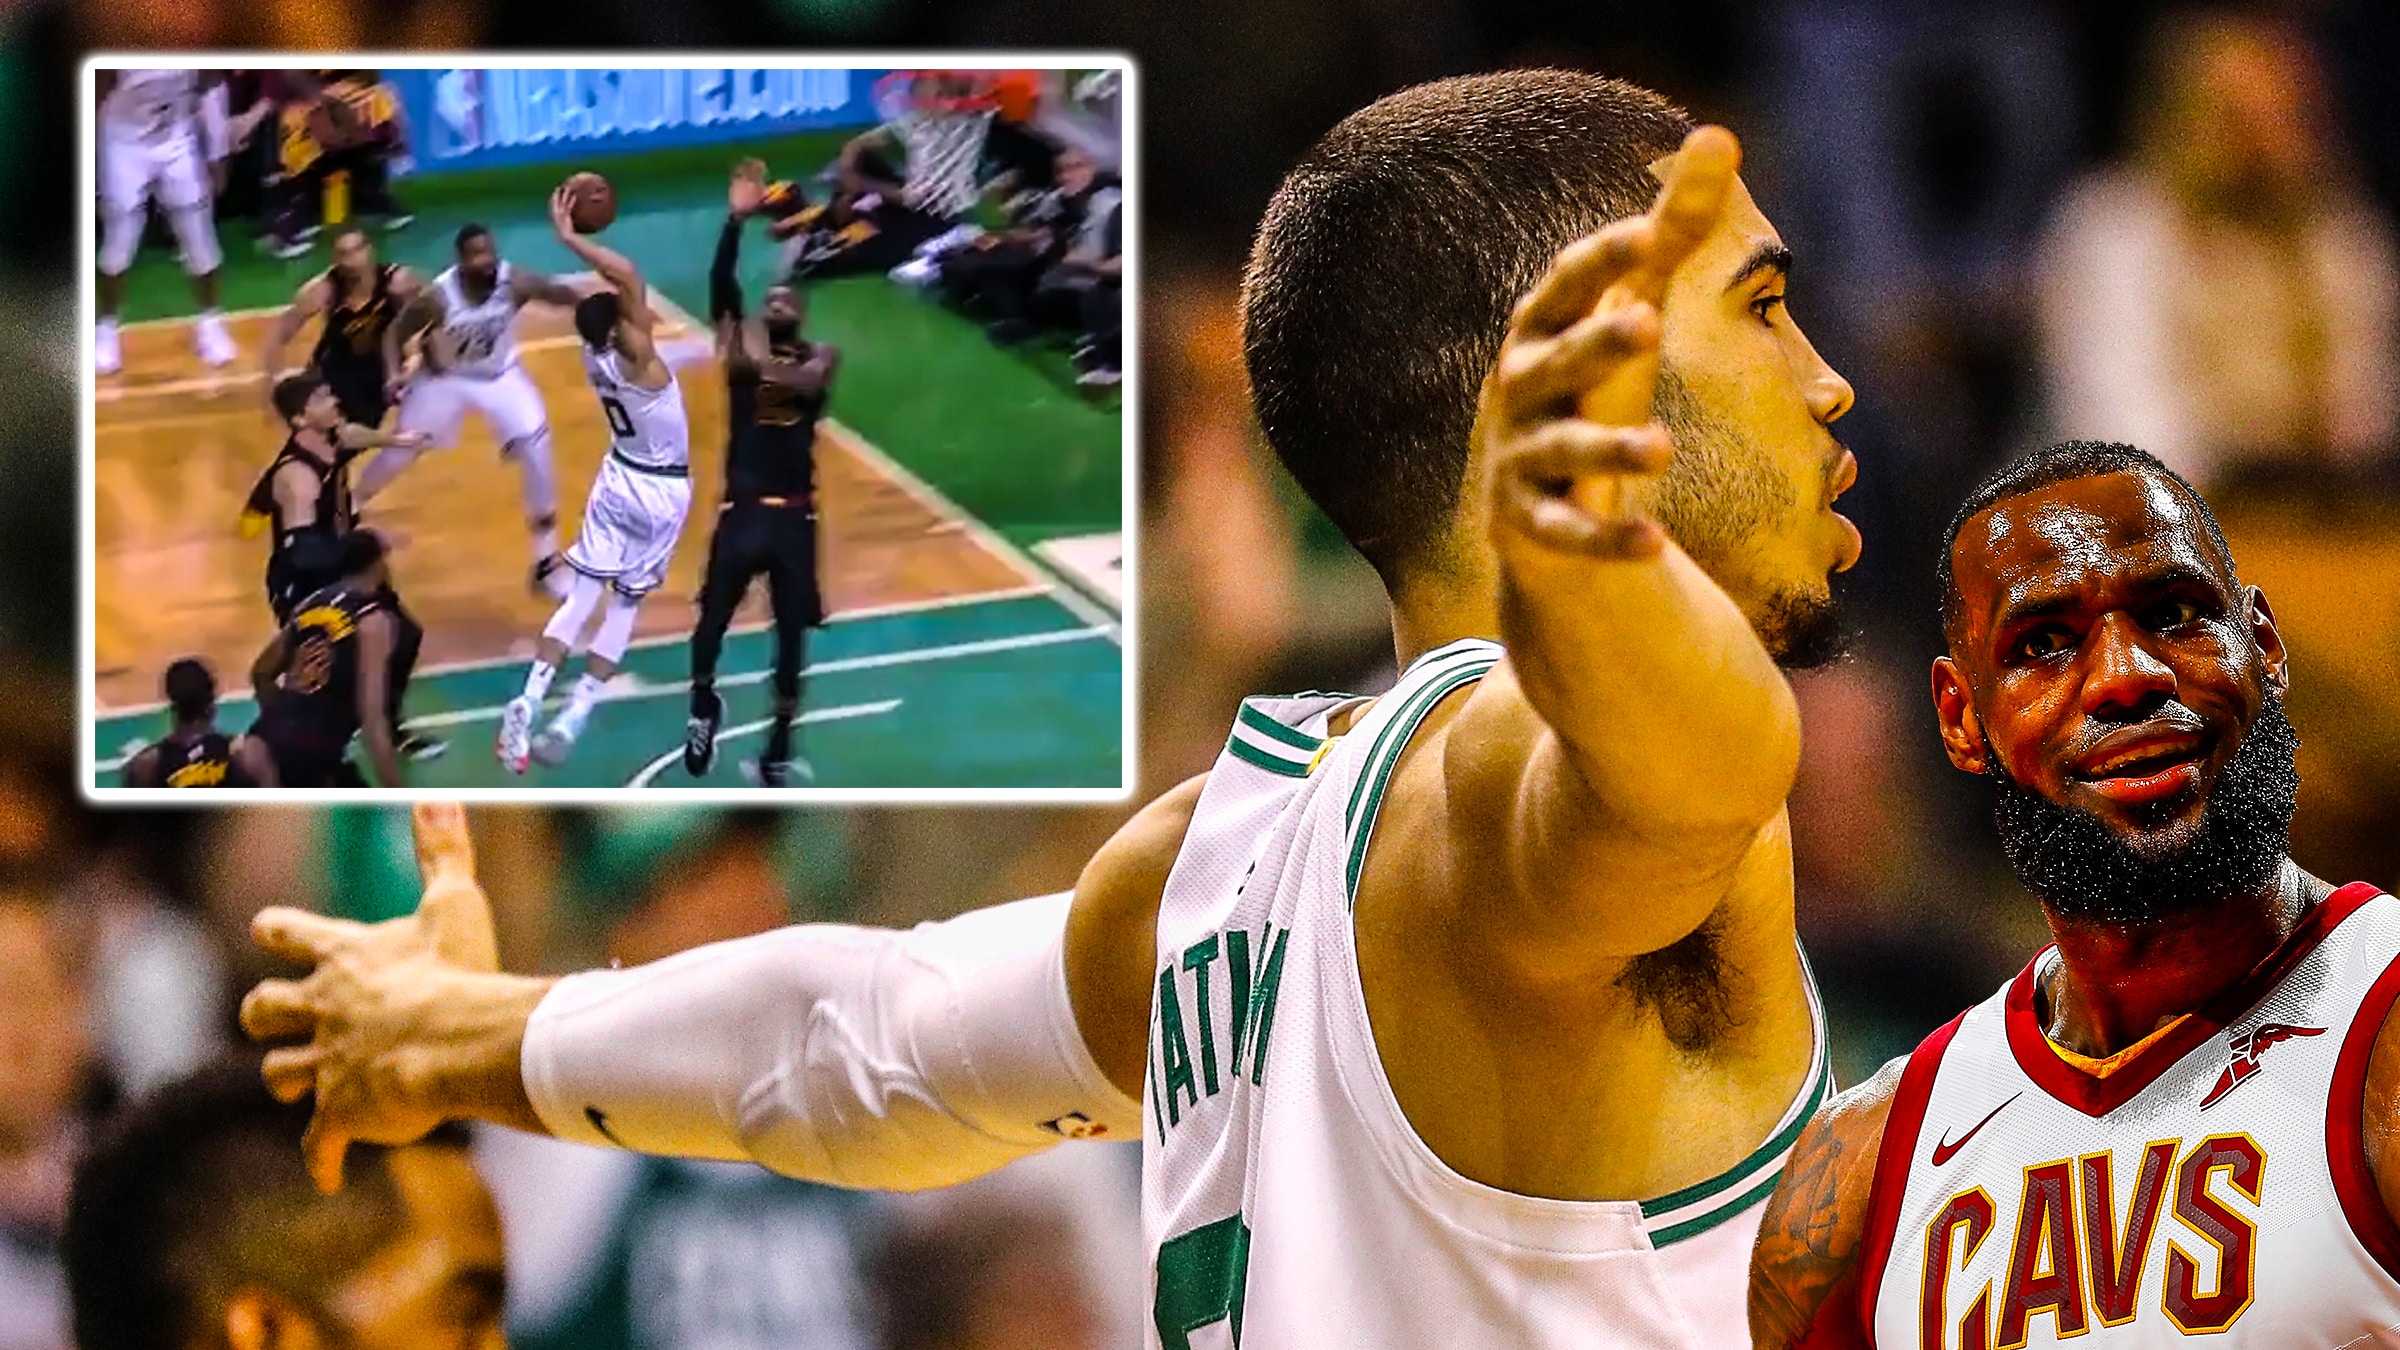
(852, 1056)
(1665, 704)
(724, 291)
(479, 1021)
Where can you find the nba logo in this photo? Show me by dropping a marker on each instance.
(458, 98)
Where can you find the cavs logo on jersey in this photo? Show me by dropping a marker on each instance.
(2077, 1242)
(2246, 1048)
(198, 773)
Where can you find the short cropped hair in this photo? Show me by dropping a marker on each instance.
(198, 1193)
(191, 689)
(1390, 259)
(293, 392)
(596, 318)
(2053, 464)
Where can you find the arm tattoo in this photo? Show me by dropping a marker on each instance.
(1805, 1270)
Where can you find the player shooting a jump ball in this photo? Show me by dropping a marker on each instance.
(776, 385)
(636, 510)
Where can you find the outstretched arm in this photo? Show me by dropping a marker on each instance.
(423, 311)
(1613, 772)
(974, 1041)
(531, 285)
(1805, 1271)
(307, 303)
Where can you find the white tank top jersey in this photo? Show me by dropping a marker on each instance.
(2211, 1183)
(483, 335)
(1286, 1200)
(153, 107)
(649, 427)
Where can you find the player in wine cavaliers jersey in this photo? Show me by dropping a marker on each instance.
(776, 385)
(358, 298)
(320, 681)
(195, 754)
(2183, 1119)
(637, 505)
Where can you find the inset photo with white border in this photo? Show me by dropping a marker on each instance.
(558, 431)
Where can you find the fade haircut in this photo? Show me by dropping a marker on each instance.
(1390, 259)
(198, 1194)
(2060, 463)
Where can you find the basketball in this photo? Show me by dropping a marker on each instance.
(594, 203)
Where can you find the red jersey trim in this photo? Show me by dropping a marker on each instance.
(1895, 1158)
(2098, 1096)
(2345, 1145)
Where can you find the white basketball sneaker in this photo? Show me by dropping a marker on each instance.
(215, 344)
(516, 730)
(108, 356)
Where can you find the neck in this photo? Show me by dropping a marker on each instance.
(1428, 613)
(2118, 983)
(199, 727)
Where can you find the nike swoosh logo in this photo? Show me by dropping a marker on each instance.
(1944, 1150)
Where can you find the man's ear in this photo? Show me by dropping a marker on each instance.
(2270, 643)
(258, 1319)
(1954, 711)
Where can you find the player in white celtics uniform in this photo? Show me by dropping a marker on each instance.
(469, 317)
(163, 138)
(636, 509)
(1471, 1015)
(2178, 1122)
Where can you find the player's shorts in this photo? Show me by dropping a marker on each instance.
(508, 403)
(133, 173)
(630, 525)
(778, 542)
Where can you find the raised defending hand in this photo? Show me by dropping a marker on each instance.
(406, 1023)
(1567, 414)
(562, 212)
(749, 189)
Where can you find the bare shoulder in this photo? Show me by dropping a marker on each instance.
(1805, 1271)
(2379, 1125)
(1112, 933)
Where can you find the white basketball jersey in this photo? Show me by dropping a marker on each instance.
(649, 427)
(1287, 1202)
(153, 107)
(484, 335)
(2212, 1183)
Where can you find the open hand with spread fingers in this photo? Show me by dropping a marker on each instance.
(398, 1026)
(1567, 416)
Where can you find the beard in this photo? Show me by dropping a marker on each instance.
(1716, 497)
(2080, 868)
(783, 333)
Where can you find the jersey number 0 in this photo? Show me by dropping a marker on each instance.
(620, 422)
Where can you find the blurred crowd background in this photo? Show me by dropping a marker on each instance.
(2015, 220)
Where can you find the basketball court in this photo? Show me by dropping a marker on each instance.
(951, 658)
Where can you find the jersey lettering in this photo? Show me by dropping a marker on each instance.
(1188, 1063)
(2235, 1237)
(199, 773)
(2119, 1254)
(2051, 1252)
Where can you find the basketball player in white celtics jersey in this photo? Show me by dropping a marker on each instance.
(1470, 1015)
(469, 317)
(163, 138)
(636, 509)
(2183, 1119)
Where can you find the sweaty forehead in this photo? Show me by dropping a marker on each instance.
(2077, 537)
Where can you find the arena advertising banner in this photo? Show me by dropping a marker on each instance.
(462, 119)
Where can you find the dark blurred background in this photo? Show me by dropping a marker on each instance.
(2015, 221)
